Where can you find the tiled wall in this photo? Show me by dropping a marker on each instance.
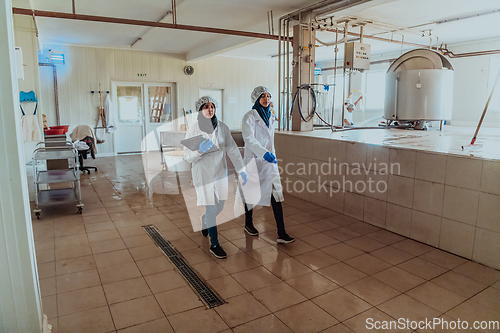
(450, 202)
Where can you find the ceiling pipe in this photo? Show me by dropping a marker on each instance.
(144, 34)
(104, 19)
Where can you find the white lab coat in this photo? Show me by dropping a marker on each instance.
(259, 139)
(209, 171)
(111, 121)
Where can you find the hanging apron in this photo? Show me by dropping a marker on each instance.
(30, 126)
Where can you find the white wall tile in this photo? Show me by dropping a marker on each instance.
(377, 157)
(356, 153)
(425, 228)
(355, 180)
(400, 190)
(377, 185)
(464, 172)
(398, 219)
(337, 175)
(335, 200)
(488, 216)
(302, 145)
(338, 150)
(457, 238)
(490, 177)
(375, 212)
(487, 248)
(354, 205)
(460, 204)
(428, 197)
(406, 159)
(321, 148)
(431, 167)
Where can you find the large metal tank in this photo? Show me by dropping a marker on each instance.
(419, 87)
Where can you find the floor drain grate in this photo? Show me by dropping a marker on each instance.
(209, 297)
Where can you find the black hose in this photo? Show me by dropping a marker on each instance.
(304, 86)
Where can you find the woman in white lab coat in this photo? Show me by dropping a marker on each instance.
(209, 169)
(258, 134)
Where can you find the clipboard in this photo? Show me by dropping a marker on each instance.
(194, 144)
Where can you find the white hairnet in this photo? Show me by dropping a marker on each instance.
(202, 100)
(259, 91)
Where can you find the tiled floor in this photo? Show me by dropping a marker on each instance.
(100, 272)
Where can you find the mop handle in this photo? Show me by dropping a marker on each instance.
(484, 111)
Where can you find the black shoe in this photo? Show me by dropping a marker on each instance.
(251, 230)
(285, 239)
(218, 252)
(204, 230)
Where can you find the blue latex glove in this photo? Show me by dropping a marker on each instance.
(270, 158)
(244, 177)
(206, 145)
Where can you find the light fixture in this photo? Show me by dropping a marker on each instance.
(57, 57)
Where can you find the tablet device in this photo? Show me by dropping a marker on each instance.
(193, 144)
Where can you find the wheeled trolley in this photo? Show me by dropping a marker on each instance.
(46, 190)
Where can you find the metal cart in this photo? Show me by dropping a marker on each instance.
(63, 151)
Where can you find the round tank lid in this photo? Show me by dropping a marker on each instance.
(420, 59)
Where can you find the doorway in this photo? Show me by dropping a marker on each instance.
(141, 108)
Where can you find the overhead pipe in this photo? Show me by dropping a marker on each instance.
(105, 19)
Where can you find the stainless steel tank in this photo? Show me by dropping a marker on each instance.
(419, 86)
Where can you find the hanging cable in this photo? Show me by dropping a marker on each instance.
(310, 116)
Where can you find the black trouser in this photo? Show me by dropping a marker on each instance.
(278, 215)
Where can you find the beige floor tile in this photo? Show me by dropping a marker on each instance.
(342, 220)
(68, 252)
(372, 290)
(362, 228)
(73, 265)
(278, 296)
(102, 226)
(267, 255)
(95, 320)
(164, 281)
(210, 270)
(459, 284)
(112, 258)
(96, 219)
(490, 298)
(137, 241)
(197, 320)
(78, 280)
(339, 328)
(45, 244)
(306, 317)
(478, 272)
(365, 243)
(341, 304)
(403, 306)
(295, 248)
(386, 237)
(107, 246)
(126, 290)
(367, 264)
(316, 259)
(287, 268)
(436, 297)
(267, 324)
(110, 274)
(45, 256)
(241, 309)
(249, 243)
(312, 284)
(154, 265)
(46, 270)
(233, 233)
(49, 304)
(422, 268)
(392, 255)
(100, 236)
(195, 256)
(130, 230)
(178, 300)
(399, 279)
(158, 325)
(412, 247)
(319, 240)
(322, 225)
(361, 322)
(237, 263)
(135, 312)
(80, 300)
(68, 229)
(256, 278)
(443, 259)
(226, 286)
(305, 217)
(342, 234)
(471, 311)
(342, 251)
(342, 274)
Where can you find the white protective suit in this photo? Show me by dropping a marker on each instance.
(259, 139)
(209, 171)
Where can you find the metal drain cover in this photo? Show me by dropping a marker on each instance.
(208, 296)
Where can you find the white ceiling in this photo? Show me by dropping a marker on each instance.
(252, 16)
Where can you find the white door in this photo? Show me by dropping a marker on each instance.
(129, 101)
(160, 109)
(217, 95)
